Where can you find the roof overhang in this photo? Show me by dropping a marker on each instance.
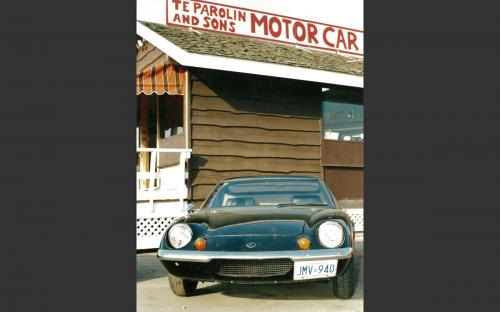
(245, 66)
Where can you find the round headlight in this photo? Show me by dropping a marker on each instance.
(179, 235)
(330, 234)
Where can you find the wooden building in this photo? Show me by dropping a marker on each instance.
(219, 106)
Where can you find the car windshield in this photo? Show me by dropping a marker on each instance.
(270, 192)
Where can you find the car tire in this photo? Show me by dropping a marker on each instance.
(181, 287)
(345, 284)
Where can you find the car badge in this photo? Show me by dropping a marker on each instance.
(251, 245)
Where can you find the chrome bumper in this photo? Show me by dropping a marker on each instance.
(295, 255)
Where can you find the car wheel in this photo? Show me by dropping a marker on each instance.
(182, 287)
(345, 284)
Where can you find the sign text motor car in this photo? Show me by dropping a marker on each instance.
(210, 16)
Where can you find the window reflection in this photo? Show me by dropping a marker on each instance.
(342, 118)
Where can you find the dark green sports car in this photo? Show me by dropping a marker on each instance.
(270, 229)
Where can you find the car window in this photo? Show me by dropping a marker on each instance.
(271, 192)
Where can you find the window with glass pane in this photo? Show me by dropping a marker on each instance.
(343, 115)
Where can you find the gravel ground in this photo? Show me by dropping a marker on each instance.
(154, 295)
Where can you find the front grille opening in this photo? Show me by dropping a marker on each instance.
(254, 268)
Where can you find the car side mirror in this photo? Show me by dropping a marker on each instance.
(190, 208)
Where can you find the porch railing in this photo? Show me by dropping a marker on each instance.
(163, 184)
(357, 216)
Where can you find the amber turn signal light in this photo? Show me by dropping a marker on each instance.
(304, 243)
(200, 244)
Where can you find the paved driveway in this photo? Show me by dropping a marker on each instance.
(154, 295)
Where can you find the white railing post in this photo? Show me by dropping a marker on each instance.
(152, 178)
(182, 170)
(158, 189)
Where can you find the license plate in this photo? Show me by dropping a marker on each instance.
(314, 269)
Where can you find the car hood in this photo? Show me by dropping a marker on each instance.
(267, 228)
(220, 217)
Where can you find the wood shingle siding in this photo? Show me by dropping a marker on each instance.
(345, 182)
(258, 107)
(250, 149)
(246, 125)
(231, 163)
(255, 135)
(148, 55)
(343, 153)
(211, 177)
(228, 85)
(252, 120)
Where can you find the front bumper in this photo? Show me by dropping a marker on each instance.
(205, 265)
(294, 255)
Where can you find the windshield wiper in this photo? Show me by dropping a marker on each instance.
(278, 205)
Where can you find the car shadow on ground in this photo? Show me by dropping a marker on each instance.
(148, 267)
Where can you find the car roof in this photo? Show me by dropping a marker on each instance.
(270, 177)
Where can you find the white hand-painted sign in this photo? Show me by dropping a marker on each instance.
(329, 25)
(210, 16)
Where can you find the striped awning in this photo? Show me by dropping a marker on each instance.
(160, 79)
